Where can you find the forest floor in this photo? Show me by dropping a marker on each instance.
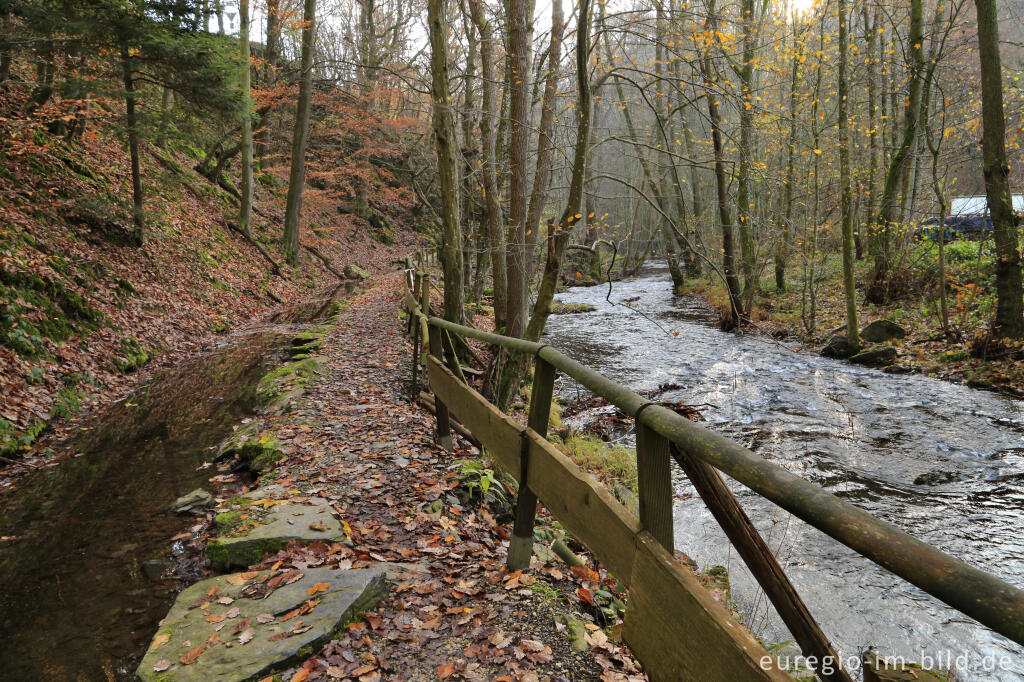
(456, 612)
(86, 315)
(964, 356)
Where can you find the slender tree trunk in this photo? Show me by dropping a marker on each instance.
(545, 141)
(878, 290)
(560, 238)
(519, 135)
(732, 283)
(245, 212)
(446, 141)
(870, 29)
(1009, 320)
(782, 248)
(470, 156)
(748, 249)
(132, 124)
(846, 201)
(297, 176)
(492, 203)
(273, 42)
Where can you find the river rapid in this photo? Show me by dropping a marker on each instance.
(941, 461)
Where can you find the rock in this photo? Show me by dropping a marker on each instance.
(895, 669)
(194, 501)
(243, 544)
(881, 331)
(238, 639)
(355, 272)
(837, 347)
(876, 356)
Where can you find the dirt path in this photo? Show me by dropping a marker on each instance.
(454, 611)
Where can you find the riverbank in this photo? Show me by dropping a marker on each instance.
(961, 357)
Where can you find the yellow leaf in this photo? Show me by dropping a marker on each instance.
(159, 641)
(817, 151)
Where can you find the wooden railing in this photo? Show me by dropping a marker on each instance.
(672, 624)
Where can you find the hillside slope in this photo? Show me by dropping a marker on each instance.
(85, 314)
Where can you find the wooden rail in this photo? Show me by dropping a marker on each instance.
(672, 624)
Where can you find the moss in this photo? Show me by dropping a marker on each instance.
(260, 449)
(133, 356)
(228, 521)
(57, 312)
(616, 462)
(290, 374)
(571, 308)
(224, 555)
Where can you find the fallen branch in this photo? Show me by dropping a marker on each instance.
(259, 247)
(325, 260)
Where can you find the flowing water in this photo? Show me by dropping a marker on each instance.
(941, 461)
(77, 601)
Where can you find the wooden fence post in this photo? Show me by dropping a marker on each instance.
(520, 546)
(654, 484)
(444, 426)
(415, 329)
(758, 557)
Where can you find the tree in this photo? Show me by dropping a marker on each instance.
(447, 166)
(245, 212)
(846, 192)
(297, 175)
(1009, 317)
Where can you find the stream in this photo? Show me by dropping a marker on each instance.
(78, 602)
(941, 461)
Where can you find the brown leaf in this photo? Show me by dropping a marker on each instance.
(246, 636)
(446, 671)
(362, 670)
(264, 618)
(317, 587)
(190, 657)
(161, 666)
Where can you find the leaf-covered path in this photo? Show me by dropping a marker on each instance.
(453, 612)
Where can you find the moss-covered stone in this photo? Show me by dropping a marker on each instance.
(288, 375)
(133, 356)
(259, 448)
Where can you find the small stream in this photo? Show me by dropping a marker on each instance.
(77, 602)
(941, 461)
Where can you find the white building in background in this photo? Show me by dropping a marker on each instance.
(978, 206)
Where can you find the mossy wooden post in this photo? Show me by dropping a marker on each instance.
(654, 484)
(444, 426)
(520, 547)
(414, 328)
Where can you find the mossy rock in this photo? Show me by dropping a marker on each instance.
(259, 448)
(240, 543)
(260, 648)
(288, 376)
(876, 356)
(133, 356)
(356, 272)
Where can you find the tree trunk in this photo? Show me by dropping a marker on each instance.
(782, 248)
(270, 64)
(297, 176)
(447, 165)
(735, 315)
(132, 124)
(846, 200)
(748, 249)
(878, 291)
(492, 204)
(545, 141)
(245, 212)
(1009, 321)
(519, 135)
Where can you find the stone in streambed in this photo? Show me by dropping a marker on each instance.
(837, 347)
(355, 272)
(194, 501)
(876, 356)
(881, 331)
(236, 650)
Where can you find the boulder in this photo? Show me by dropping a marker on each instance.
(881, 331)
(837, 347)
(194, 501)
(355, 272)
(270, 524)
(876, 356)
(245, 626)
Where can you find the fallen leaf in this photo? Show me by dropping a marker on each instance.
(264, 618)
(318, 587)
(446, 671)
(190, 657)
(161, 666)
(362, 670)
(300, 675)
(159, 641)
(246, 637)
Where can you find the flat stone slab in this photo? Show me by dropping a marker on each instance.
(247, 625)
(282, 522)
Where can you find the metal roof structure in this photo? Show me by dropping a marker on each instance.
(966, 206)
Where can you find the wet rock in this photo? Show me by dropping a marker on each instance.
(876, 356)
(271, 529)
(936, 478)
(837, 347)
(878, 669)
(194, 501)
(234, 627)
(881, 331)
(355, 272)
